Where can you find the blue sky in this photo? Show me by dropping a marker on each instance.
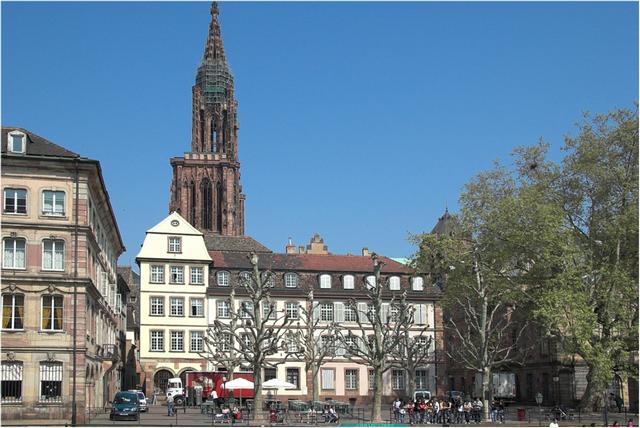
(357, 120)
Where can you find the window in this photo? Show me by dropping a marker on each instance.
(223, 309)
(246, 310)
(246, 341)
(175, 244)
(177, 341)
(291, 309)
(325, 281)
(157, 274)
(52, 312)
(50, 382)
(53, 202)
(16, 142)
(157, 340)
(176, 274)
(422, 380)
(225, 343)
(350, 314)
(12, 311)
(371, 281)
(157, 306)
(292, 345)
(394, 283)
(269, 373)
(351, 343)
(417, 283)
(326, 312)
(329, 344)
(328, 378)
(372, 379)
(197, 341)
(222, 278)
(197, 307)
(290, 280)
(14, 253)
(53, 254)
(245, 278)
(347, 282)
(293, 376)
(397, 379)
(197, 275)
(351, 378)
(11, 381)
(269, 311)
(15, 201)
(177, 306)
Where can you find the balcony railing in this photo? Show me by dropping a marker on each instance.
(110, 351)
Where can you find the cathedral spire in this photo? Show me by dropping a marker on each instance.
(214, 49)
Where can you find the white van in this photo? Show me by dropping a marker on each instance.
(424, 395)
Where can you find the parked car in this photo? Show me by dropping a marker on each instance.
(125, 405)
(144, 406)
(425, 395)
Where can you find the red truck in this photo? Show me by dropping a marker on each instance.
(209, 381)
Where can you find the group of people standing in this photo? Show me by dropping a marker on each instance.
(436, 411)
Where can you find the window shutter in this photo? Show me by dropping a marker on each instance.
(213, 307)
(430, 315)
(362, 312)
(315, 311)
(420, 317)
(385, 313)
(327, 379)
(338, 309)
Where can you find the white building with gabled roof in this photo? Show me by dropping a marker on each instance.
(174, 275)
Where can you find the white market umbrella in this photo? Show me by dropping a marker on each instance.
(238, 383)
(277, 384)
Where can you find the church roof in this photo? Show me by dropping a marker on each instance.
(307, 262)
(36, 145)
(447, 225)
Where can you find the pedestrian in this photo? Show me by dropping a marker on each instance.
(554, 424)
(630, 423)
(170, 406)
(615, 424)
(397, 404)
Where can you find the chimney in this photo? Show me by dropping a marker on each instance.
(290, 248)
(301, 249)
(365, 252)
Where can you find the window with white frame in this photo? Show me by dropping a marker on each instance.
(197, 275)
(197, 341)
(397, 379)
(292, 345)
(17, 142)
(348, 282)
(174, 244)
(417, 283)
(222, 278)
(157, 274)
(350, 313)
(15, 201)
(328, 344)
(393, 313)
(269, 279)
(156, 306)
(15, 250)
(394, 283)
(326, 312)
(53, 254)
(269, 311)
(176, 274)
(50, 381)
(53, 202)
(177, 341)
(157, 340)
(350, 343)
(246, 309)
(246, 341)
(371, 281)
(328, 378)
(197, 307)
(290, 280)
(12, 311)
(177, 306)
(245, 278)
(292, 309)
(351, 378)
(11, 388)
(422, 379)
(223, 309)
(325, 281)
(51, 312)
(225, 342)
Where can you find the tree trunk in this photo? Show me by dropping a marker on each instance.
(257, 390)
(486, 392)
(376, 411)
(411, 383)
(590, 393)
(315, 383)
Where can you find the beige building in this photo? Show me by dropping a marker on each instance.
(174, 276)
(60, 245)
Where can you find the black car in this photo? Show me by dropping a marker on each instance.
(125, 405)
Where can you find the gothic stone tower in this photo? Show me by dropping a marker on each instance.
(206, 186)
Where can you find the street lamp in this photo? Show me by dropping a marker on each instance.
(556, 378)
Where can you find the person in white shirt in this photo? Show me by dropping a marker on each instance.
(554, 424)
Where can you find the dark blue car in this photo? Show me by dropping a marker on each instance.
(125, 405)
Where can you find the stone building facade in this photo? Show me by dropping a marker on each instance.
(60, 245)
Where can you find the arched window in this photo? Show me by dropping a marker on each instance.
(394, 283)
(50, 381)
(12, 311)
(417, 283)
(207, 204)
(370, 281)
(12, 381)
(219, 207)
(347, 282)
(325, 281)
(290, 280)
(14, 253)
(51, 312)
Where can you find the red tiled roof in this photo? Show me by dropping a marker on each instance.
(306, 262)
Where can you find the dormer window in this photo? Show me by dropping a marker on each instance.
(17, 142)
(371, 282)
(290, 280)
(325, 281)
(175, 244)
(394, 283)
(348, 282)
(222, 278)
(417, 284)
